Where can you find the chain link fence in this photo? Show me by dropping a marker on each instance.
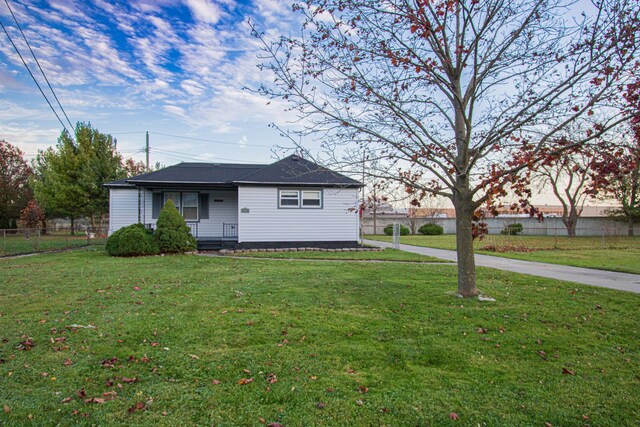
(19, 241)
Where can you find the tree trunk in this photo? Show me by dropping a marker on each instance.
(464, 247)
(73, 226)
(630, 225)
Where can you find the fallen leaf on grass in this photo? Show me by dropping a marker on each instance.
(567, 371)
(26, 345)
(262, 420)
(66, 400)
(81, 393)
(215, 382)
(548, 424)
(454, 416)
(67, 362)
(129, 380)
(95, 400)
(481, 330)
(246, 371)
(194, 357)
(139, 406)
(7, 409)
(244, 381)
(274, 425)
(320, 405)
(271, 378)
(359, 402)
(363, 389)
(136, 288)
(109, 363)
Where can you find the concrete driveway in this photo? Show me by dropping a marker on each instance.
(588, 276)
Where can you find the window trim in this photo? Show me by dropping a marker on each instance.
(300, 192)
(180, 207)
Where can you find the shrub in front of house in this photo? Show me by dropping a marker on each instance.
(172, 234)
(431, 230)
(134, 240)
(512, 229)
(404, 231)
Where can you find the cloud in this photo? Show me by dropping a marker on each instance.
(205, 11)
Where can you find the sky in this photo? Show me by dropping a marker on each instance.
(175, 68)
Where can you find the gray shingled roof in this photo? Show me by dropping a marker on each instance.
(292, 170)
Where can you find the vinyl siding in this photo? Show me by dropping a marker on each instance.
(219, 212)
(123, 208)
(337, 220)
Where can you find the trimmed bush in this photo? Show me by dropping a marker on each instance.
(172, 234)
(512, 229)
(431, 230)
(134, 240)
(404, 231)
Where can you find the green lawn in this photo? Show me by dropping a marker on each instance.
(324, 344)
(386, 255)
(612, 253)
(21, 243)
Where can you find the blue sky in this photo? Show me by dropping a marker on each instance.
(170, 67)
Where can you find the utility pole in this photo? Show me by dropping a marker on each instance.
(147, 151)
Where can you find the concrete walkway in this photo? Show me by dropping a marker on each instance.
(588, 276)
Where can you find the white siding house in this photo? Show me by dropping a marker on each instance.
(292, 202)
(261, 219)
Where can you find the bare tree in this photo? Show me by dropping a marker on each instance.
(458, 98)
(569, 178)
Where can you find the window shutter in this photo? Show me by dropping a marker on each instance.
(156, 205)
(204, 205)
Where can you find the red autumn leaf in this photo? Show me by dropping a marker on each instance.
(108, 383)
(6, 409)
(139, 406)
(567, 371)
(155, 344)
(136, 288)
(363, 389)
(145, 359)
(330, 390)
(95, 400)
(271, 378)
(27, 344)
(320, 405)
(274, 425)
(67, 362)
(66, 400)
(109, 363)
(244, 381)
(129, 380)
(81, 393)
(215, 382)
(454, 416)
(481, 330)
(246, 371)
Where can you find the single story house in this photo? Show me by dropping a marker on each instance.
(290, 203)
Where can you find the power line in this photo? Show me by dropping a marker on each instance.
(33, 77)
(192, 157)
(38, 63)
(210, 140)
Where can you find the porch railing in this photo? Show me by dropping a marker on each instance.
(229, 230)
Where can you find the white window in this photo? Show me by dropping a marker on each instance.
(300, 199)
(190, 206)
(289, 199)
(174, 197)
(186, 203)
(311, 199)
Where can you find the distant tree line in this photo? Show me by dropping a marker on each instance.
(62, 182)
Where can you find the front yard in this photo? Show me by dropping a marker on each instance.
(88, 339)
(614, 253)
